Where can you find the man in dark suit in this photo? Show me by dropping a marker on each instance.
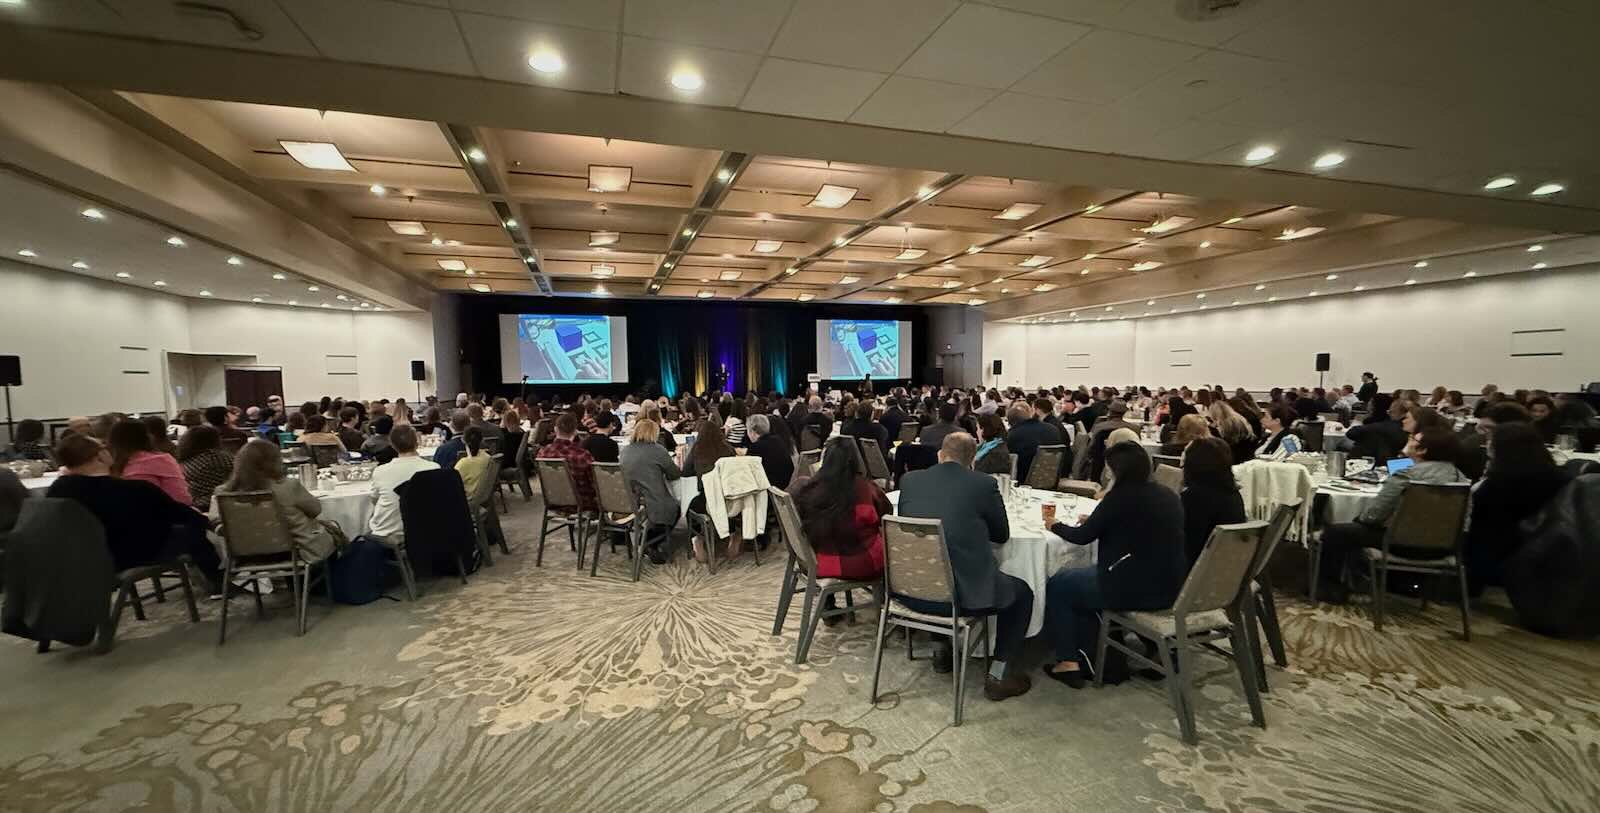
(863, 426)
(893, 417)
(934, 435)
(974, 517)
(772, 450)
(1027, 434)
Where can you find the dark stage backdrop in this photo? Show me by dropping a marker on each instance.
(674, 345)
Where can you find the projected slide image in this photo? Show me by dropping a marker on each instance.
(859, 347)
(565, 348)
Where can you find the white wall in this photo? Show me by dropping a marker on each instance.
(1457, 334)
(68, 330)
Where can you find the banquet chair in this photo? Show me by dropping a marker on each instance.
(803, 565)
(1045, 471)
(513, 472)
(128, 592)
(561, 506)
(1169, 476)
(1311, 433)
(909, 431)
(620, 511)
(1431, 517)
(1081, 462)
(541, 432)
(811, 460)
(1266, 609)
(257, 545)
(810, 438)
(324, 454)
(1167, 459)
(485, 522)
(876, 467)
(855, 449)
(916, 564)
(1213, 604)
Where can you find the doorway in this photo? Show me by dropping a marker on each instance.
(954, 365)
(251, 387)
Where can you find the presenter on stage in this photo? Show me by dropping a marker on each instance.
(865, 390)
(719, 379)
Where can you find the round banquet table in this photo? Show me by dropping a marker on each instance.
(1345, 504)
(1032, 553)
(348, 505)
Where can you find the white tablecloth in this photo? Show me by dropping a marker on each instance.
(1345, 505)
(1033, 554)
(1564, 456)
(37, 486)
(349, 505)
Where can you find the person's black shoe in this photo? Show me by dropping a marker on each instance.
(656, 555)
(1074, 679)
(1008, 686)
(943, 661)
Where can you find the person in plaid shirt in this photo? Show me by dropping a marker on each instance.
(579, 462)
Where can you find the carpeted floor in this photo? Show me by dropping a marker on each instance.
(543, 689)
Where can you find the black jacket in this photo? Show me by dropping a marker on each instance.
(438, 523)
(859, 428)
(601, 448)
(137, 516)
(58, 574)
(775, 460)
(1368, 389)
(1025, 439)
(1378, 439)
(1205, 507)
(1140, 529)
(934, 435)
(1499, 505)
(892, 420)
(974, 517)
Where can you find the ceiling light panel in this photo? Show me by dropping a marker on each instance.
(606, 178)
(1018, 211)
(604, 238)
(731, 275)
(910, 253)
(1166, 224)
(410, 228)
(603, 270)
(453, 265)
(767, 246)
(831, 196)
(317, 155)
(1035, 261)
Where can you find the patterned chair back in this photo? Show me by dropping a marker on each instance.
(1080, 456)
(1430, 516)
(611, 486)
(915, 560)
(521, 453)
(909, 431)
(324, 454)
(1169, 476)
(812, 460)
(555, 480)
(1277, 528)
(252, 524)
(793, 531)
(810, 438)
(1219, 574)
(877, 467)
(1045, 471)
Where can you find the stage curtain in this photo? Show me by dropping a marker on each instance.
(754, 343)
(775, 358)
(702, 363)
(669, 363)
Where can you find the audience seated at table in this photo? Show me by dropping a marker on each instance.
(378, 445)
(1435, 451)
(994, 454)
(599, 444)
(402, 442)
(893, 417)
(350, 429)
(491, 432)
(580, 464)
(317, 433)
(259, 467)
(733, 413)
(1115, 418)
(1543, 410)
(974, 518)
(206, 466)
(1281, 441)
(143, 524)
(709, 447)
(1521, 478)
(1140, 564)
(944, 423)
(222, 420)
(156, 427)
(12, 494)
(649, 468)
(29, 442)
(1210, 493)
(133, 457)
(861, 425)
(1233, 429)
(1380, 436)
(476, 463)
(841, 512)
(1027, 433)
(773, 448)
(1191, 428)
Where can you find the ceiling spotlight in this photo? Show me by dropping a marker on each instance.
(175, 241)
(1331, 277)
(1536, 247)
(313, 288)
(667, 264)
(687, 232)
(480, 287)
(1296, 234)
(471, 273)
(1313, 293)
(279, 275)
(1083, 273)
(1411, 282)
(325, 305)
(1537, 266)
(1500, 183)
(1235, 303)
(1146, 265)
(790, 271)
(1108, 307)
(604, 238)
(255, 299)
(93, 213)
(452, 243)
(1200, 296)
(476, 155)
(1546, 189)
(1359, 288)
(1018, 211)
(1091, 255)
(1420, 264)
(891, 300)
(902, 275)
(1272, 299)
(378, 189)
(1149, 302)
(974, 249)
(1205, 244)
(951, 283)
(80, 265)
(366, 304)
(317, 155)
(1042, 287)
(606, 178)
(910, 253)
(1166, 224)
(342, 298)
(546, 62)
(452, 265)
(294, 302)
(1232, 220)
(724, 175)
(1260, 153)
(1172, 310)
(1470, 274)
(831, 196)
(204, 292)
(975, 302)
(704, 294)
(235, 261)
(849, 279)
(600, 290)
(511, 222)
(730, 276)
(926, 192)
(806, 297)
(124, 275)
(1092, 208)
(687, 80)
(1035, 261)
(1261, 287)
(1328, 160)
(840, 241)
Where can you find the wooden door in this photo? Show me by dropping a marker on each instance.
(248, 388)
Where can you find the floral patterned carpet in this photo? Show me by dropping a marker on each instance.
(545, 689)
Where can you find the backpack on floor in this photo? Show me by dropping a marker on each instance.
(357, 575)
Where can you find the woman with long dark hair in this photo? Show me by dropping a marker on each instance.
(709, 447)
(134, 457)
(206, 466)
(259, 467)
(840, 510)
(1210, 493)
(1521, 477)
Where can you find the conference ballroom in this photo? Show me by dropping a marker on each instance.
(891, 406)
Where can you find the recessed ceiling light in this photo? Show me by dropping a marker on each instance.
(1328, 160)
(604, 238)
(1108, 307)
(790, 271)
(294, 302)
(951, 283)
(124, 275)
(1470, 274)
(436, 241)
(480, 287)
(366, 304)
(378, 189)
(1331, 277)
(1146, 265)
(731, 275)
(1296, 234)
(1420, 264)
(1235, 302)
(1313, 293)
(974, 249)
(806, 297)
(1018, 211)
(279, 275)
(1092, 208)
(1536, 247)
(1091, 255)
(891, 300)
(204, 292)
(452, 265)
(342, 298)
(176, 241)
(317, 155)
(1205, 244)
(1149, 302)
(1166, 224)
(849, 279)
(325, 305)
(1232, 220)
(1083, 272)
(1411, 282)
(1359, 288)
(667, 264)
(313, 288)
(608, 178)
(1500, 183)
(1272, 299)
(235, 261)
(410, 228)
(546, 61)
(1042, 287)
(1546, 189)
(80, 265)
(1005, 290)
(724, 175)
(705, 294)
(1260, 153)
(476, 155)
(255, 299)
(910, 253)
(767, 246)
(832, 196)
(687, 80)
(93, 213)
(471, 273)
(1200, 296)
(511, 222)
(600, 290)
(1035, 261)
(926, 192)
(1261, 287)
(840, 241)
(1172, 310)
(975, 302)
(1537, 266)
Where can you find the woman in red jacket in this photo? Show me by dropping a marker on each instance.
(840, 510)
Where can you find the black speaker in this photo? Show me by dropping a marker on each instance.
(997, 366)
(1323, 360)
(10, 371)
(419, 372)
